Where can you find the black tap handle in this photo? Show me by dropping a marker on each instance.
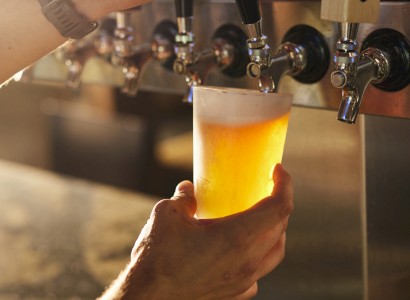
(184, 8)
(249, 11)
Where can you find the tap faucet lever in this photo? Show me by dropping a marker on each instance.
(184, 8)
(184, 47)
(252, 21)
(373, 66)
(354, 70)
(303, 53)
(227, 50)
(384, 62)
(259, 51)
(249, 11)
(75, 54)
(184, 40)
(352, 11)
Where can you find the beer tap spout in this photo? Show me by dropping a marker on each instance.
(227, 51)
(373, 66)
(75, 54)
(133, 58)
(383, 61)
(303, 54)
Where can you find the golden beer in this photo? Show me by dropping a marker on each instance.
(234, 157)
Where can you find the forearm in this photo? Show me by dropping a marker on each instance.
(26, 36)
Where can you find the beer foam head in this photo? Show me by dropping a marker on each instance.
(238, 106)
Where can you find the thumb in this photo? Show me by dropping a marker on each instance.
(274, 209)
(283, 188)
(185, 197)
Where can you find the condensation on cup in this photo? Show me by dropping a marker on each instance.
(239, 136)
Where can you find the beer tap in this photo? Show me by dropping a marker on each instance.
(184, 47)
(75, 54)
(303, 54)
(353, 71)
(125, 55)
(133, 58)
(104, 43)
(376, 63)
(227, 51)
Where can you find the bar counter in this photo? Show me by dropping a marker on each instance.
(63, 238)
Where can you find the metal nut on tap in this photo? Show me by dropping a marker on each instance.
(338, 79)
(347, 45)
(345, 60)
(254, 70)
(297, 55)
(380, 60)
(179, 66)
(185, 38)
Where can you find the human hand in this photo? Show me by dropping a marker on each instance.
(180, 257)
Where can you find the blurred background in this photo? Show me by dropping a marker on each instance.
(91, 137)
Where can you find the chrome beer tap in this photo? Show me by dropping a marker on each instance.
(384, 61)
(133, 58)
(226, 52)
(126, 55)
(75, 54)
(184, 47)
(104, 42)
(303, 53)
(355, 69)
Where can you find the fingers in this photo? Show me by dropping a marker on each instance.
(283, 188)
(280, 204)
(184, 195)
(271, 212)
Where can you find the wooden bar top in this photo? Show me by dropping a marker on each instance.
(63, 238)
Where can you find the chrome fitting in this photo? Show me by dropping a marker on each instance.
(260, 56)
(179, 66)
(184, 24)
(254, 70)
(380, 60)
(223, 52)
(254, 30)
(297, 56)
(185, 52)
(185, 38)
(338, 79)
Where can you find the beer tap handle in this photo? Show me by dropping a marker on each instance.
(249, 11)
(351, 11)
(184, 39)
(184, 8)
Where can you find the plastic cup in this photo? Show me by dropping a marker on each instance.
(239, 136)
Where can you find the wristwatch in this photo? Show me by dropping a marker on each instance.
(68, 21)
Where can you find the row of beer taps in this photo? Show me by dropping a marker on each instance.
(115, 42)
(383, 60)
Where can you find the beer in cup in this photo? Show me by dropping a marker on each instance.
(239, 137)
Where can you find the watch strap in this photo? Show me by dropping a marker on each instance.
(68, 21)
(44, 2)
